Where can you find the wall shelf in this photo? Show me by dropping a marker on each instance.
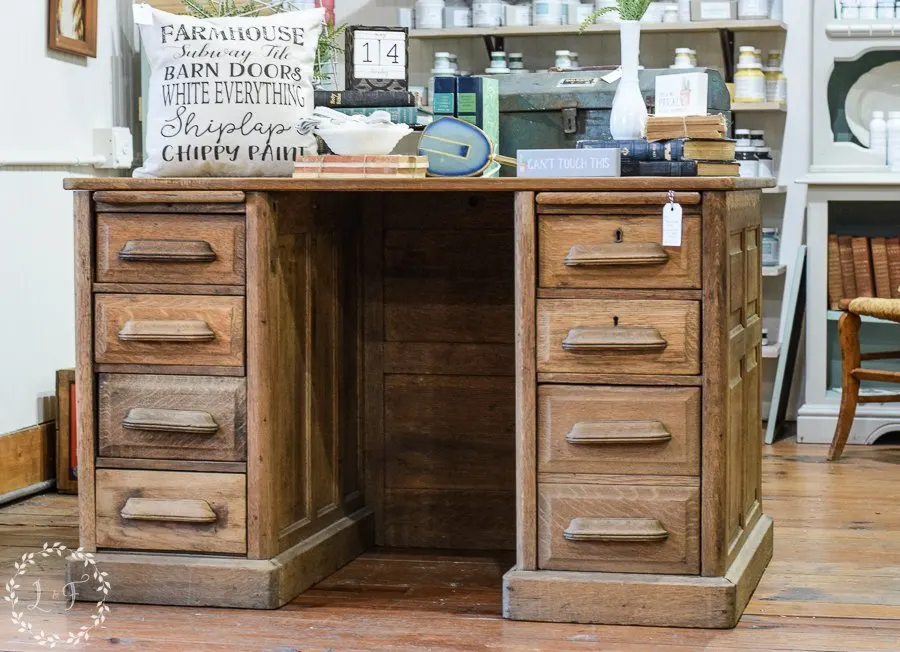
(759, 106)
(773, 270)
(602, 28)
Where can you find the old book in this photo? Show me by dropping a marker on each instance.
(337, 99)
(848, 278)
(399, 114)
(676, 149)
(880, 269)
(835, 286)
(718, 169)
(478, 103)
(369, 167)
(893, 255)
(690, 126)
(680, 169)
(862, 267)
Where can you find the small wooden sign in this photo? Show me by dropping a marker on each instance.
(377, 58)
(543, 163)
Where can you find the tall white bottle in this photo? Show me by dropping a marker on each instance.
(878, 135)
(893, 140)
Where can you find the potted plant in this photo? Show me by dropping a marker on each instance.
(629, 112)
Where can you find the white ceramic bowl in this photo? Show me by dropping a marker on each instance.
(363, 140)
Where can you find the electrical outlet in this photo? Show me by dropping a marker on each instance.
(115, 146)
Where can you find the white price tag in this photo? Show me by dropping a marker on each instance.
(610, 77)
(671, 225)
(142, 13)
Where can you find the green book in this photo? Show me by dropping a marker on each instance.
(399, 114)
(478, 103)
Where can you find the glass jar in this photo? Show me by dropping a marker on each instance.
(749, 83)
(770, 246)
(746, 157)
(546, 12)
(429, 14)
(563, 60)
(683, 58)
(487, 13)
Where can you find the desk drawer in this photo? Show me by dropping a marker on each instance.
(169, 330)
(611, 336)
(619, 430)
(168, 510)
(616, 528)
(600, 251)
(159, 248)
(172, 417)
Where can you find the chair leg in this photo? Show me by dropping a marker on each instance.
(848, 333)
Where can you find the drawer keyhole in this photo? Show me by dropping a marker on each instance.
(618, 235)
(615, 321)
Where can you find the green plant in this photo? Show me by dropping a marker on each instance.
(628, 10)
(329, 45)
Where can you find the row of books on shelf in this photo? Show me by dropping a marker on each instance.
(860, 266)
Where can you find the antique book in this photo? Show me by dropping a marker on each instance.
(689, 126)
(676, 149)
(848, 278)
(399, 114)
(478, 103)
(880, 269)
(338, 99)
(679, 169)
(862, 267)
(344, 167)
(893, 255)
(835, 286)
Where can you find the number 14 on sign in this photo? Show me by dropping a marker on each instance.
(379, 55)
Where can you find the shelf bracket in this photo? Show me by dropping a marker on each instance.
(726, 38)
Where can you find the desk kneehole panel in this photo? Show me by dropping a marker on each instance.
(171, 511)
(619, 430)
(161, 248)
(172, 417)
(616, 252)
(618, 336)
(619, 528)
(169, 329)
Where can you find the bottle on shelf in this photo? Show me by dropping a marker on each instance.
(878, 135)
(498, 64)
(546, 12)
(683, 58)
(563, 60)
(770, 246)
(749, 83)
(753, 9)
(684, 11)
(893, 140)
(429, 14)
(487, 13)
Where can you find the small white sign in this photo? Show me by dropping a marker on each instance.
(671, 225)
(682, 94)
(544, 163)
(379, 55)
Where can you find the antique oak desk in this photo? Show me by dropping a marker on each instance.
(274, 375)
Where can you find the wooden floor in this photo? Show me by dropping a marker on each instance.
(834, 584)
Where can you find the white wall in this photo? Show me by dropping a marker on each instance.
(49, 104)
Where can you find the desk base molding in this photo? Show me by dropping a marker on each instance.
(194, 581)
(641, 599)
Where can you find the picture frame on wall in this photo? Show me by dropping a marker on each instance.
(72, 27)
(66, 439)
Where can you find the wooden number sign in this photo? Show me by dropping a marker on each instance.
(377, 58)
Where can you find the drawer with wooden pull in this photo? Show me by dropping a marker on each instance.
(619, 528)
(615, 251)
(618, 430)
(171, 511)
(618, 336)
(172, 417)
(169, 329)
(160, 248)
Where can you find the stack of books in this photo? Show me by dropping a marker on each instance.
(861, 266)
(677, 157)
(360, 167)
(665, 127)
(400, 104)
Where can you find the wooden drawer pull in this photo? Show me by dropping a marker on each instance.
(632, 530)
(175, 330)
(632, 253)
(168, 511)
(589, 339)
(617, 432)
(195, 422)
(167, 251)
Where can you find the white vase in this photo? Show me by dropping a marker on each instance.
(629, 113)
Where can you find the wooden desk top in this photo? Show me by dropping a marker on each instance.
(477, 184)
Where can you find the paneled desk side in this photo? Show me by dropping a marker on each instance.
(236, 414)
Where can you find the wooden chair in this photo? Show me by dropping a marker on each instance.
(852, 372)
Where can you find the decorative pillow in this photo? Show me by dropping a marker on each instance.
(225, 93)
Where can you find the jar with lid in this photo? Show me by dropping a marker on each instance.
(487, 13)
(518, 15)
(776, 86)
(563, 60)
(746, 157)
(684, 11)
(546, 12)
(742, 136)
(868, 9)
(770, 246)
(753, 9)
(573, 57)
(850, 9)
(886, 9)
(749, 83)
(757, 138)
(516, 61)
(766, 164)
(683, 58)
(498, 64)
(774, 59)
(747, 54)
(429, 14)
